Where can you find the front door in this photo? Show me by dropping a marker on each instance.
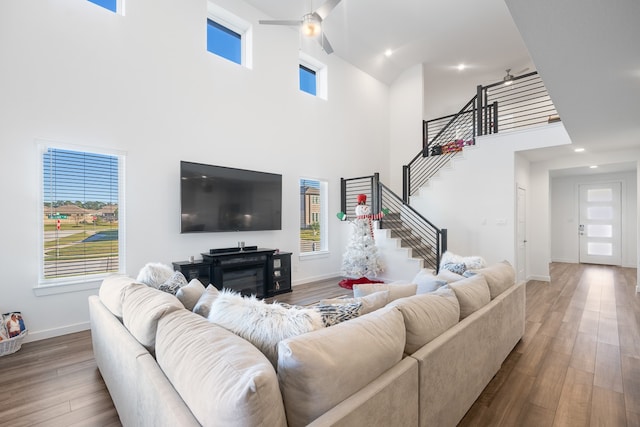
(600, 221)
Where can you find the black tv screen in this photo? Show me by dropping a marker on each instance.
(218, 198)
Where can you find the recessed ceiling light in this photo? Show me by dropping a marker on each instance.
(579, 150)
(593, 166)
(388, 53)
(461, 67)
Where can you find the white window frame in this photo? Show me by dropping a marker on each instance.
(324, 217)
(321, 74)
(78, 283)
(237, 25)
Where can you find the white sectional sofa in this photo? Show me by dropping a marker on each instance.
(165, 365)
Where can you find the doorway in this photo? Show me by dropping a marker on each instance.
(600, 222)
(521, 234)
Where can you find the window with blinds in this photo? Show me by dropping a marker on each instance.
(81, 212)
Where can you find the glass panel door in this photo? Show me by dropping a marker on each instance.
(600, 219)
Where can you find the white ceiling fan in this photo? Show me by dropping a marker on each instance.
(311, 23)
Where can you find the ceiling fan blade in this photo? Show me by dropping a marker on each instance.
(326, 46)
(280, 22)
(326, 7)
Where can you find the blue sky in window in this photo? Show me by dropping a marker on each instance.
(107, 4)
(79, 176)
(309, 183)
(224, 42)
(307, 80)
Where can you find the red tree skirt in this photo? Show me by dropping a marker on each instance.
(348, 283)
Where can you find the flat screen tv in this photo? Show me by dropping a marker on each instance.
(218, 199)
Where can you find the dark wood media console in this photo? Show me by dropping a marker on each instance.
(252, 271)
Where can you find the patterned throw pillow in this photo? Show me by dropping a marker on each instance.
(173, 283)
(332, 314)
(455, 267)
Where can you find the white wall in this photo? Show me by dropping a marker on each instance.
(144, 84)
(406, 123)
(565, 215)
(475, 199)
(540, 255)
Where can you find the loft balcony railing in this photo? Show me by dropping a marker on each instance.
(425, 239)
(497, 107)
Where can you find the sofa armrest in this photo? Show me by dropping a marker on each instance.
(115, 351)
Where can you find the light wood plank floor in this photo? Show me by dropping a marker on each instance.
(578, 364)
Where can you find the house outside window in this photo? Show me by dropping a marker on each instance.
(82, 212)
(313, 223)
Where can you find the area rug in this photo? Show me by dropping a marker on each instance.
(348, 283)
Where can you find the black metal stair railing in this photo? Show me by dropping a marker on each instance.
(459, 131)
(524, 102)
(426, 241)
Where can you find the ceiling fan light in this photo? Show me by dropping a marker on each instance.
(508, 79)
(310, 26)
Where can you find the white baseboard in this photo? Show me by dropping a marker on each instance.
(317, 279)
(540, 278)
(56, 332)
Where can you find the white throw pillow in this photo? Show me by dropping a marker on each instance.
(396, 290)
(154, 274)
(449, 276)
(190, 294)
(470, 262)
(426, 281)
(369, 302)
(203, 306)
(264, 325)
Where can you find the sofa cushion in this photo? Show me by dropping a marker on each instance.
(369, 302)
(426, 317)
(223, 379)
(111, 293)
(500, 277)
(472, 293)
(190, 294)
(143, 306)
(320, 369)
(426, 281)
(396, 290)
(203, 306)
(262, 324)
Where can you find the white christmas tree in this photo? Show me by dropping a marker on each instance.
(361, 256)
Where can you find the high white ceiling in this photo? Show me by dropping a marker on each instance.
(438, 33)
(587, 52)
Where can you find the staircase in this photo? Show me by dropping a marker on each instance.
(524, 103)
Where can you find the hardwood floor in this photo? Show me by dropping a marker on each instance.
(579, 361)
(577, 365)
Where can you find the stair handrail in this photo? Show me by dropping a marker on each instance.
(432, 240)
